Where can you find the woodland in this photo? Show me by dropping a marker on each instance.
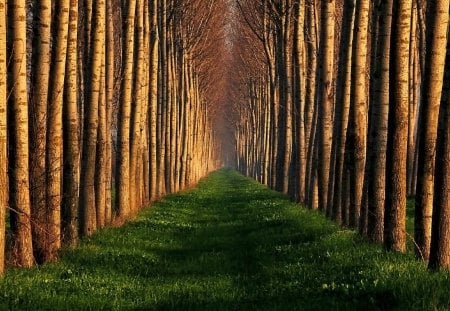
(107, 106)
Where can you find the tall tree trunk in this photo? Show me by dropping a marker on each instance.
(343, 92)
(437, 27)
(153, 98)
(87, 195)
(124, 117)
(19, 182)
(395, 208)
(3, 134)
(440, 235)
(357, 132)
(326, 99)
(38, 127)
(55, 133)
(376, 174)
(71, 148)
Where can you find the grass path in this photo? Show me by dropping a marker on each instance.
(229, 244)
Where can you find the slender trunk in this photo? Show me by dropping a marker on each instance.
(376, 174)
(55, 134)
(437, 27)
(3, 135)
(124, 118)
(71, 148)
(19, 182)
(395, 208)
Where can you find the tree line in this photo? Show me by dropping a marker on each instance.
(344, 106)
(105, 106)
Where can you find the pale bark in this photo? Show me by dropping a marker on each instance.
(87, 202)
(55, 133)
(376, 174)
(71, 148)
(38, 128)
(124, 117)
(19, 182)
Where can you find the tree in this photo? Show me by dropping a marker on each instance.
(376, 156)
(71, 153)
(395, 208)
(55, 133)
(88, 221)
(19, 185)
(325, 99)
(3, 135)
(38, 127)
(440, 232)
(436, 32)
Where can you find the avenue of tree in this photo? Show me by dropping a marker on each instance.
(105, 106)
(344, 105)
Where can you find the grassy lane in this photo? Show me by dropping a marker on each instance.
(230, 244)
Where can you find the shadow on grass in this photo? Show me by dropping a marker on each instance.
(230, 244)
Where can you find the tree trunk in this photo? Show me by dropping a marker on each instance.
(395, 208)
(88, 158)
(19, 182)
(38, 128)
(326, 99)
(3, 135)
(440, 235)
(71, 148)
(124, 117)
(437, 27)
(356, 137)
(54, 137)
(376, 174)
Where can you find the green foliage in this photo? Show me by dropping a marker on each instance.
(230, 244)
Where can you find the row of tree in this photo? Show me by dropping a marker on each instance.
(105, 106)
(345, 108)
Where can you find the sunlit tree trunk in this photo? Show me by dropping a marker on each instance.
(356, 137)
(124, 117)
(135, 135)
(343, 91)
(38, 127)
(376, 174)
(55, 133)
(71, 153)
(88, 221)
(100, 157)
(19, 187)
(325, 99)
(153, 99)
(395, 208)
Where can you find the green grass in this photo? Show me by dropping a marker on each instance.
(230, 244)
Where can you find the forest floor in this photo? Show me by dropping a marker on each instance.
(229, 244)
